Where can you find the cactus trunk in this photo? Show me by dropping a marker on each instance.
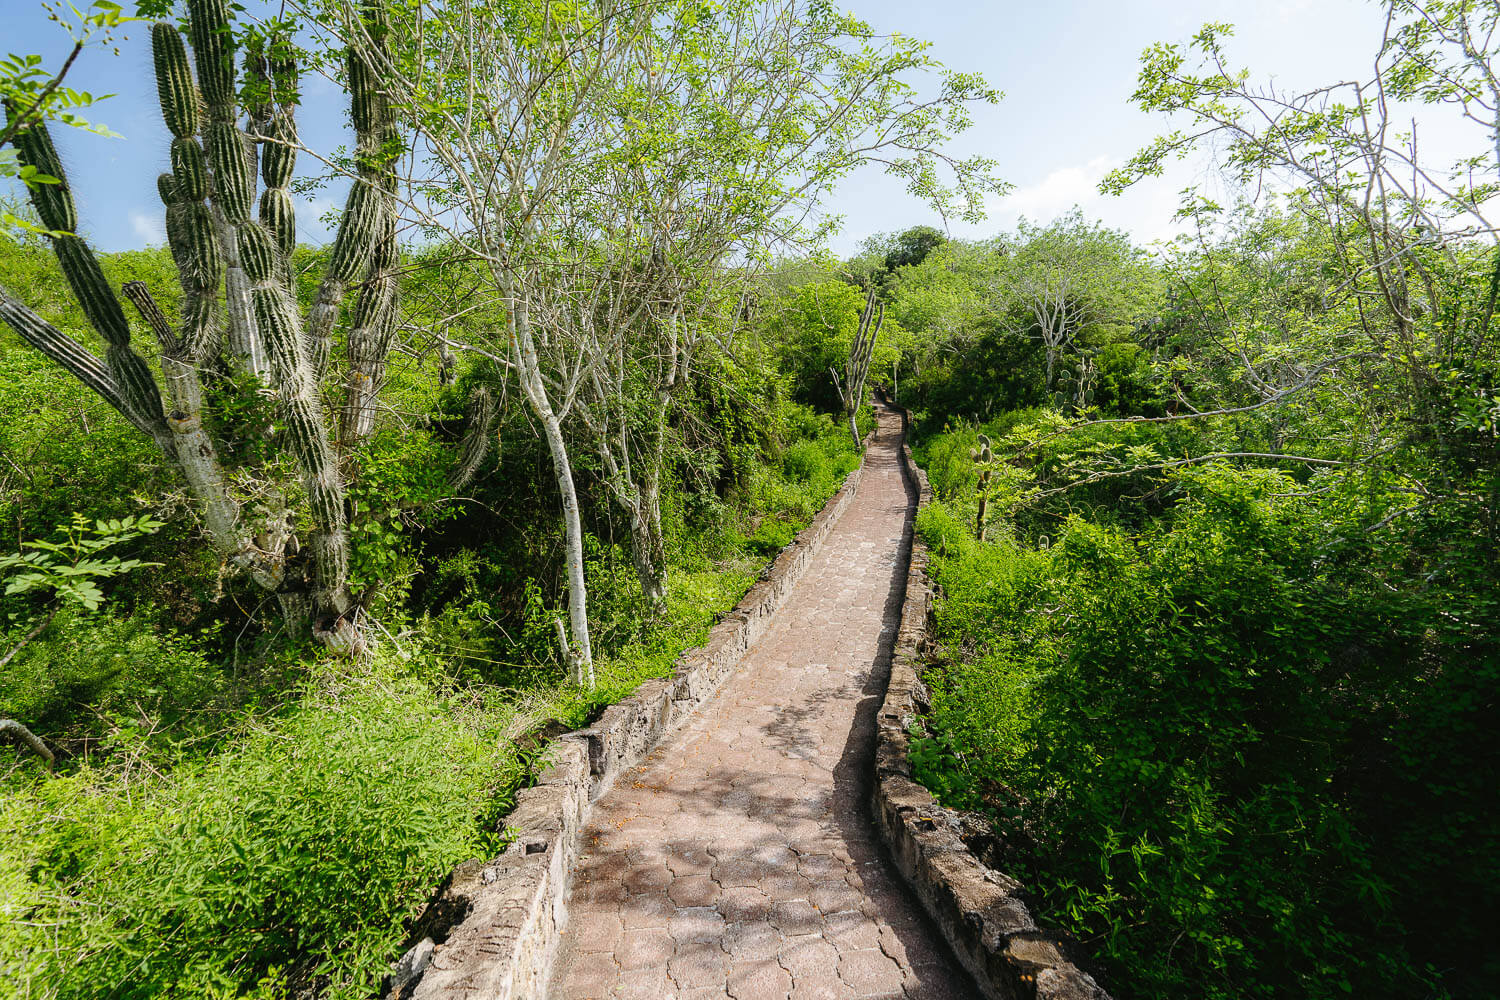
(296, 394)
(221, 249)
(367, 228)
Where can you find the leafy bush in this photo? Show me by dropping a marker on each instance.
(1175, 732)
(86, 676)
(300, 854)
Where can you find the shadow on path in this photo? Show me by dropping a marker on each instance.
(739, 859)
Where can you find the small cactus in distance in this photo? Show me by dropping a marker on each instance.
(984, 459)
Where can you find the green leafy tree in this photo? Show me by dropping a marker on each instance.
(26, 82)
(602, 162)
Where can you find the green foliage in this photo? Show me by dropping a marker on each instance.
(70, 567)
(1172, 729)
(814, 326)
(107, 683)
(400, 489)
(300, 854)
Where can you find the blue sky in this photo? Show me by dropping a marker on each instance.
(1067, 69)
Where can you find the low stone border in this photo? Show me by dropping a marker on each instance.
(979, 910)
(492, 929)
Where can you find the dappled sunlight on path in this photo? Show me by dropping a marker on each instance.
(738, 860)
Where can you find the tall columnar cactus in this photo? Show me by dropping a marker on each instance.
(239, 303)
(857, 369)
(984, 459)
(365, 247)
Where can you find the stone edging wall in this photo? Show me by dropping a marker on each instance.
(980, 911)
(492, 929)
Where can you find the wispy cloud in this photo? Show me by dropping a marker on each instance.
(146, 227)
(1057, 192)
(1145, 210)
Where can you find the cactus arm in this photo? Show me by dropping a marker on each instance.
(476, 442)
(276, 131)
(184, 192)
(140, 297)
(80, 362)
(54, 204)
(370, 337)
(371, 199)
(228, 155)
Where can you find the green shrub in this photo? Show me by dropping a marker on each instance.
(87, 675)
(1178, 722)
(300, 853)
(803, 461)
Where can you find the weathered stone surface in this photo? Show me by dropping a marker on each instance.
(757, 805)
(492, 929)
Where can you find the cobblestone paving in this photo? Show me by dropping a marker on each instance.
(738, 860)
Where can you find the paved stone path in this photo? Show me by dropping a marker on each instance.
(738, 860)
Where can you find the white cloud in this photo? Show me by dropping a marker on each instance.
(147, 228)
(1145, 210)
(1057, 192)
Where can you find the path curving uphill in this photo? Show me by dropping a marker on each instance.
(738, 860)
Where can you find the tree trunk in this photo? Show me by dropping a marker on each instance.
(528, 367)
(647, 549)
(578, 616)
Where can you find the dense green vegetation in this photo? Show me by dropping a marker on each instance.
(1218, 661)
(309, 549)
(231, 807)
(306, 550)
